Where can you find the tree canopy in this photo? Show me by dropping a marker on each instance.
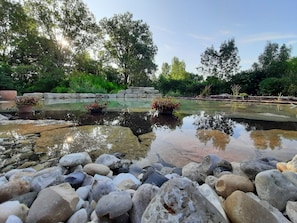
(128, 45)
(223, 63)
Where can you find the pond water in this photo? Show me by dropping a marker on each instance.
(232, 130)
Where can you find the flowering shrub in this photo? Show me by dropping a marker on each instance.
(165, 103)
(26, 100)
(97, 105)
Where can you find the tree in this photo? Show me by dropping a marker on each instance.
(67, 23)
(223, 63)
(6, 80)
(165, 70)
(128, 44)
(178, 70)
(14, 25)
(273, 61)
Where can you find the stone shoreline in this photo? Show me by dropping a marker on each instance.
(114, 189)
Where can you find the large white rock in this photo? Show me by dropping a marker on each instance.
(179, 200)
(53, 204)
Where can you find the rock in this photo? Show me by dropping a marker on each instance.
(219, 171)
(153, 177)
(26, 199)
(281, 166)
(279, 216)
(13, 172)
(225, 165)
(75, 179)
(58, 208)
(241, 208)
(114, 204)
(47, 177)
(75, 159)
(252, 167)
(199, 171)
(292, 176)
(213, 198)
(292, 165)
(81, 216)
(2, 117)
(135, 170)
(94, 168)
(274, 187)
(109, 160)
(123, 177)
(291, 210)
(191, 171)
(83, 192)
(13, 219)
(12, 189)
(211, 181)
(141, 198)
(13, 208)
(229, 183)
(3, 180)
(209, 163)
(101, 186)
(178, 200)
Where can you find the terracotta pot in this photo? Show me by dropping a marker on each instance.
(8, 94)
(25, 108)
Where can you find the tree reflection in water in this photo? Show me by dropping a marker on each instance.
(166, 121)
(214, 127)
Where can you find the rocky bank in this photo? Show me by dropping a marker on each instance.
(114, 189)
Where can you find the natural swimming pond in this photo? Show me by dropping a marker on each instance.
(232, 130)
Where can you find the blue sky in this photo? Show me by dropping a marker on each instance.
(185, 28)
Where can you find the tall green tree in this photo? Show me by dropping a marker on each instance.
(178, 70)
(223, 63)
(128, 44)
(273, 61)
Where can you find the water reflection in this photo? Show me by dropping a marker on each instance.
(231, 138)
(219, 139)
(214, 122)
(166, 121)
(184, 137)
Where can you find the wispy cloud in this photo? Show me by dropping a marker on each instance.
(168, 47)
(225, 32)
(163, 29)
(201, 37)
(267, 37)
(292, 42)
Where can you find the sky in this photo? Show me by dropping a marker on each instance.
(186, 28)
